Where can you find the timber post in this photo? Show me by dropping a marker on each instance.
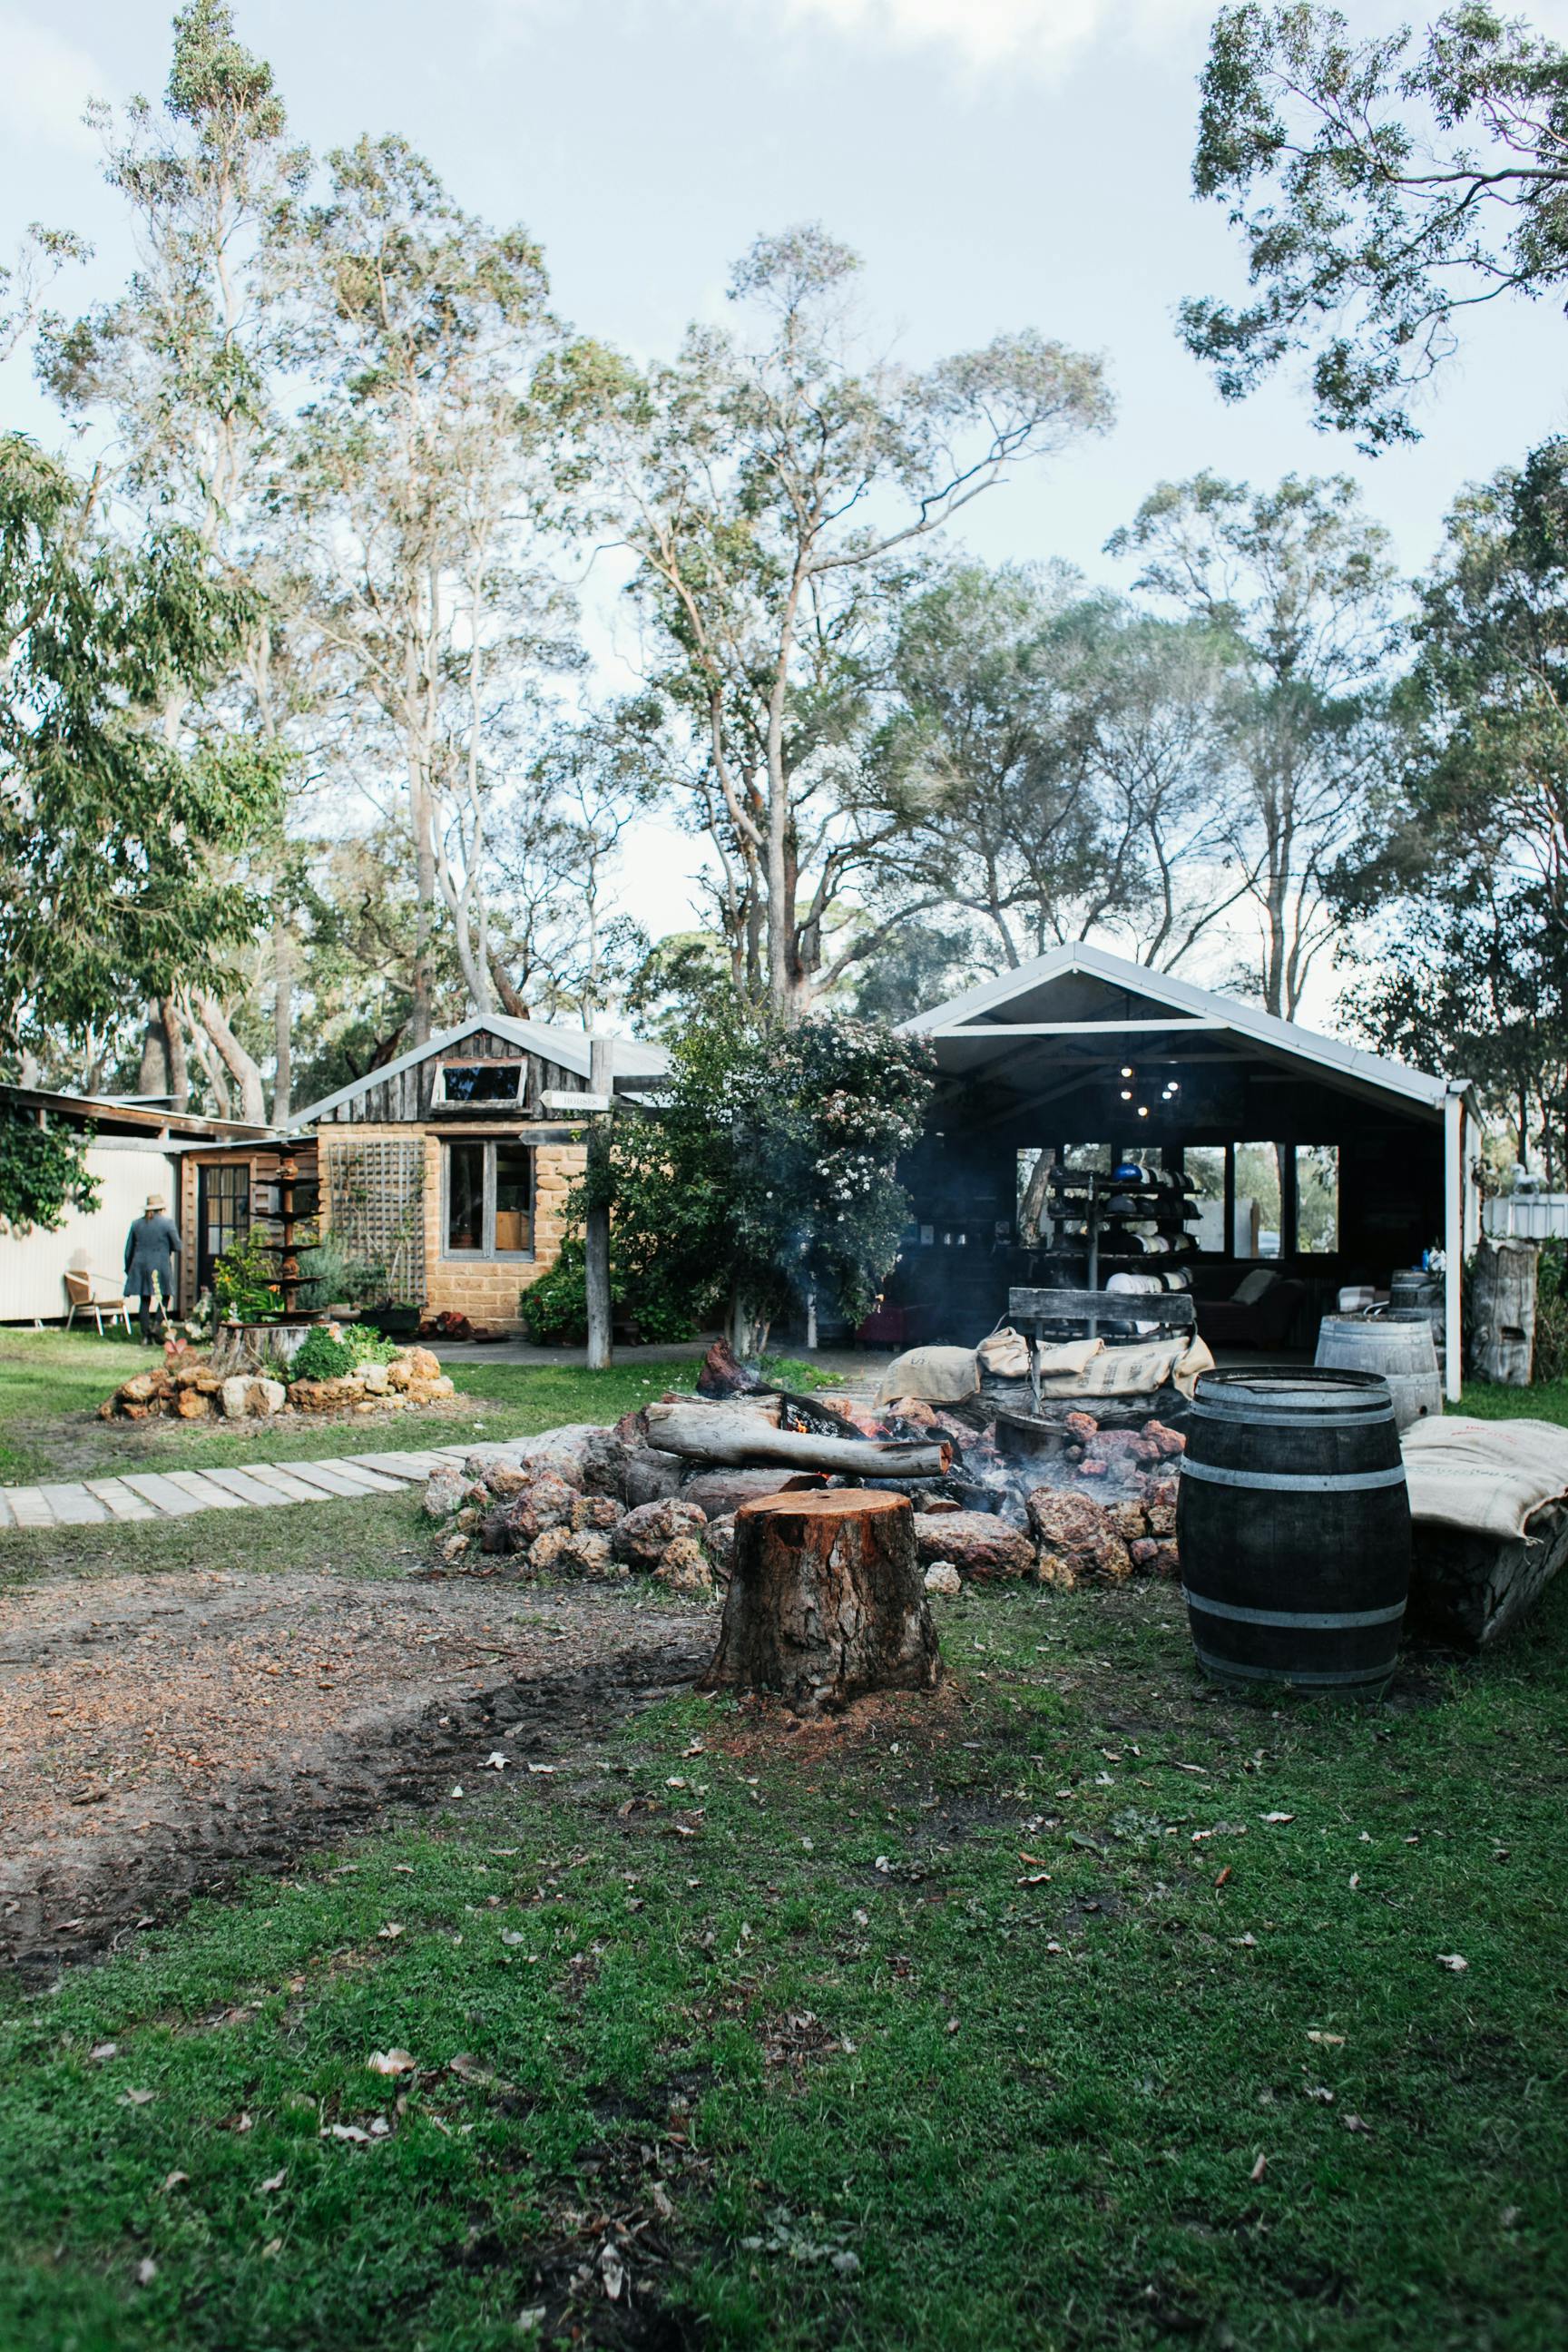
(596, 1224)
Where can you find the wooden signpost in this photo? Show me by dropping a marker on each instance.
(598, 1107)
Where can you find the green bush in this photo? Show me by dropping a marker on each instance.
(245, 1280)
(1550, 1360)
(555, 1309)
(330, 1276)
(334, 1348)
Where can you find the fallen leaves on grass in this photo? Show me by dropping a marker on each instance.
(1332, 2041)
(1454, 1961)
(1258, 2169)
(268, 2188)
(1276, 1817)
(391, 2061)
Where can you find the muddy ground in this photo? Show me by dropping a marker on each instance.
(159, 1733)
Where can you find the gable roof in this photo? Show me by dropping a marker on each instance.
(570, 1048)
(1045, 998)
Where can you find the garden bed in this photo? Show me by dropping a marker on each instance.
(190, 1388)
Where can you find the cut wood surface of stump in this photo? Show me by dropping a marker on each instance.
(825, 1602)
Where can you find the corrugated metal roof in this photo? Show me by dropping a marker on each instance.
(569, 1047)
(981, 1013)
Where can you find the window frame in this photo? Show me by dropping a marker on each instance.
(487, 1253)
(494, 1105)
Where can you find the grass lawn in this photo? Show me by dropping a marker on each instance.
(52, 1383)
(1078, 2006)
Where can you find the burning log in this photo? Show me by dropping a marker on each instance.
(826, 1601)
(738, 1440)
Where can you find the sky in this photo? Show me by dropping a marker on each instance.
(999, 163)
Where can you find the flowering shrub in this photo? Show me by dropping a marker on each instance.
(768, 1171)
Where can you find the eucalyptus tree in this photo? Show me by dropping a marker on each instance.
(414, 495)
(1468, 851)
(1382, 187)
(116, 839)
(177, 368)
(774, 484)
(1050, 758)
(1296, 586)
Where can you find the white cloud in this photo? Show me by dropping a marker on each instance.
(1044, 37)
(45, 84)
(1041, 36)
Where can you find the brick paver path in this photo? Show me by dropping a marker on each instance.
(255, 1486)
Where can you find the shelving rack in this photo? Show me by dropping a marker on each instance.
(1089, 1207)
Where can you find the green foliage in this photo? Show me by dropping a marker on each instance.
(1297, 584)
(1381, 188)
(334, 1348)
(555, 1309)
(245, 1280)
(43, 1171)
(1550, 1360)
(770, 1170)
(1471, 860)
(109, 830)
(331, 1277)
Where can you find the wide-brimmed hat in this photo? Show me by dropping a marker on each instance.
(156, 1200)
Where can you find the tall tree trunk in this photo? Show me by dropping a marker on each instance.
(282, 1023)
(152, 1077)
(175, 1044)
(245, 1072)
(424, 906)
(512, 1004)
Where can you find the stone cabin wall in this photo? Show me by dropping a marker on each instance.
(486, 1290)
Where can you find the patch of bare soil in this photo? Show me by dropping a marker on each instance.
(158, 1733)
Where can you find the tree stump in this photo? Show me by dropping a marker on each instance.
(1502, 1310)
(826, 1601)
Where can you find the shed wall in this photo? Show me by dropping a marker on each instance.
(33, 1265)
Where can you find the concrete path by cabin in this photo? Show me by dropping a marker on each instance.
(256, 1486)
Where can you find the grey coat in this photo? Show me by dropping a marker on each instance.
(150, 1248)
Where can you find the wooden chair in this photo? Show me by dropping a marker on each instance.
(98, 1296)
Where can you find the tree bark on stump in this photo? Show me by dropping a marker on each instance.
(1502, 1310)
(826, 1601)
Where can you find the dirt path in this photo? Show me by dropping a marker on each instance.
(158, 1733)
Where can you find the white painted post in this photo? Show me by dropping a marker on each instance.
(596, 1226)
(1454, 1243)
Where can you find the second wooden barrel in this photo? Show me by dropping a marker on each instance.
(1397, 1345)
(1293, 1529)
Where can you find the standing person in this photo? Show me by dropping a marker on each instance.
(150, 1248)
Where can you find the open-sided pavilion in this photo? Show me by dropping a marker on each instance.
(1082, 1053)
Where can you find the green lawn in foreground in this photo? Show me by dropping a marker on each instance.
(52, 1382)
(1206, 2080)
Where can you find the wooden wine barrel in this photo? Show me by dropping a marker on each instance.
(1399, 1346)
(1293, 1529)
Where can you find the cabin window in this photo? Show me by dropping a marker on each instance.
(489, 1199)
(481, 1082)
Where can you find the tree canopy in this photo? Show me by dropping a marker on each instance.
(108, 822)
(1382, 188)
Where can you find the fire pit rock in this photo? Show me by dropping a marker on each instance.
(977, 1543)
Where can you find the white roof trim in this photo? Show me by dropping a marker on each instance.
(1263, 1029)
(569, 1047)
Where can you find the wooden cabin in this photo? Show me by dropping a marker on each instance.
(451, 1166)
